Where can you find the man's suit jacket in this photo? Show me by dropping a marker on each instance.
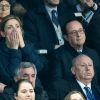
(93, 30)
(39, 28)
(95, 89)
(10, 59)
(60, 88)
(61, 60)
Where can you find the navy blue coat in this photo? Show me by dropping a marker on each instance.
(60, 88)
(10, 59)
(39, 28)
(61, 62)
(95, 89)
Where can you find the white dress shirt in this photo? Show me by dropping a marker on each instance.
(57, 29)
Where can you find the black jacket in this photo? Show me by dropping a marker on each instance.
(61, 60)
(10, 59)
(39, 28)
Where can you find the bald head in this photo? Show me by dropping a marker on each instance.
(82, 68)
(73, 25)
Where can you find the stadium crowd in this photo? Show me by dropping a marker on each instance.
(49, 49)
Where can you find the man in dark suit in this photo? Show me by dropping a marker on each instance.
(26, 70)
(84, 10)
(93, 32)
(42, 29)
(83, 71)
(60, 62)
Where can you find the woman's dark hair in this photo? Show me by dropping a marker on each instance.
(7, 18)
(18, 83)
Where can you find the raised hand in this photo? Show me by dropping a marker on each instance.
(21, 40)
(2, 86)
(87, 3)
(12, 40)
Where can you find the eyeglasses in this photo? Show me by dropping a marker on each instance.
(75, 32)
(6, 7)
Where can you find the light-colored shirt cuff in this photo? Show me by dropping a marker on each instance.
(95, 6)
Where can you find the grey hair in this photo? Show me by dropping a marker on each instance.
(78, 57)
(23, 65)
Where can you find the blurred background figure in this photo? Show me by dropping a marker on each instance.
(5, 9)
(74, 95)
(84, 10)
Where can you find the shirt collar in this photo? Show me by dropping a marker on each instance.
(82, 85)
(49, 9)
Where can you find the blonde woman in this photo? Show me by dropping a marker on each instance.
(74, 95)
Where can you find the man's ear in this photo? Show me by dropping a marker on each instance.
(73, 70)
(2, 34)
(66, 37)
(16, 78)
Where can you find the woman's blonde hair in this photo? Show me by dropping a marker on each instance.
(7, 18)
(68, 96)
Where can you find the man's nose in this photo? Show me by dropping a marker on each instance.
(28, 94)
(31, 79)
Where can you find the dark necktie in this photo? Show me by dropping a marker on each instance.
(89, 94)
(54, 17)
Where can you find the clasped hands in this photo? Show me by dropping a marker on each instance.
(14, 40)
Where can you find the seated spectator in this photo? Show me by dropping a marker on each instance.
(14, 50)
(83, 71)
(74, 95)
(84, 10)
(93, 32)
(24, 90)
(44, 26)
(28, 71)
(5, 8)
(61, 60)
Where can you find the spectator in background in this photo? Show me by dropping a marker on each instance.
(74, 95)
(44, 26)
(84, 10)
(28, 71)
(93, 32)
(5, 8)
(13, 49)
(83, 71)
(24, 90)
(61, 60)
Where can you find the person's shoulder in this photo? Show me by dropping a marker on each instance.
(91, 50)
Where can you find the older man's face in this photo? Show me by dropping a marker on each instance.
(83, 69)
(76, 35)
(29, 74)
